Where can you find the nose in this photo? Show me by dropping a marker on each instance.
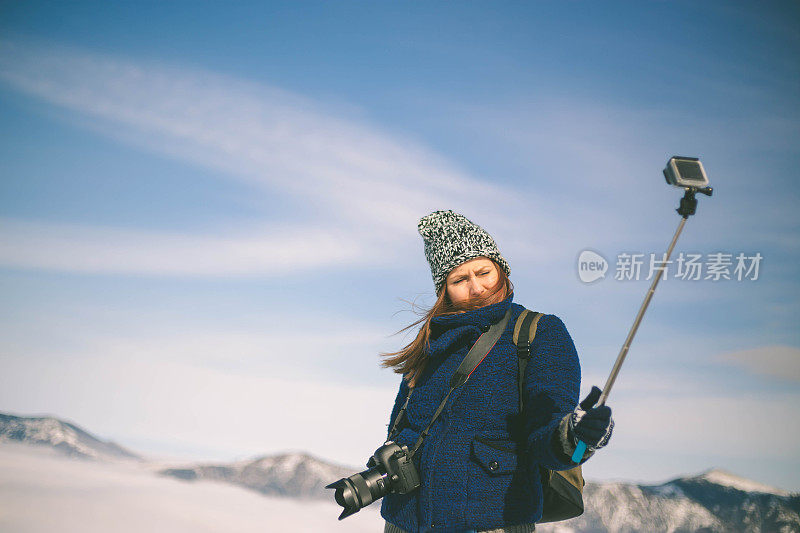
(475, 288)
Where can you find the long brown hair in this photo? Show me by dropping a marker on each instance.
(411, 360)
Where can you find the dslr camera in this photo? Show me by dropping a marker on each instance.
(390, 469)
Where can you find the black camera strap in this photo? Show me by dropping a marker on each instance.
(471, 361)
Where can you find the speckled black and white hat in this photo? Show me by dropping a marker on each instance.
(451, 239)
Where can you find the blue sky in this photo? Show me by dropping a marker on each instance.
(208, 215)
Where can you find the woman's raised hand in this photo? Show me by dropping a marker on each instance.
(589, 424)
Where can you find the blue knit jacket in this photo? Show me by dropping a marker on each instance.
(479, 465)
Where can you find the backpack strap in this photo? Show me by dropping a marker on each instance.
(562, 490)
(524, 333)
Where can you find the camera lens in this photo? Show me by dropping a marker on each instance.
(345, 494)
(360, 490)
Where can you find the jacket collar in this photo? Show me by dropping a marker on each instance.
(451, 330)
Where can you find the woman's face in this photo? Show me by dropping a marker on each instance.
(473, 279)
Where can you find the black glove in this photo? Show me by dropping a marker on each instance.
(592, 425)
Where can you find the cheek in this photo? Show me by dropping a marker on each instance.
(457, 293)
(491, 281)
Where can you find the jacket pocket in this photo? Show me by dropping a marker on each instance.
(496, 457)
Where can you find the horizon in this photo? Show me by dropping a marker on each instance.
(187, 461)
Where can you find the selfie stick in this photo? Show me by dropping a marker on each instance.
(687, 208)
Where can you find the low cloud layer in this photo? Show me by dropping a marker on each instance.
(44, 492)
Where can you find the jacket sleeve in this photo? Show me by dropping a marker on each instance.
(552, 385)
(398, 403)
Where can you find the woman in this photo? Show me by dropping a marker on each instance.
(479, 463)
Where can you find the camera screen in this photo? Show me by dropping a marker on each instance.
(690, 170)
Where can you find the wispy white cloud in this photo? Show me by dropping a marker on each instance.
(360, 184)
(775, 361)
(318, 345)
(91, 249)
(366, 184)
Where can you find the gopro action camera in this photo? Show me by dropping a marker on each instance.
(685, 172)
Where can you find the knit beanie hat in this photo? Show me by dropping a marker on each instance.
(451, 239)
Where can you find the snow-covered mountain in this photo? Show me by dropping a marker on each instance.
(715, 501)
(63, 436)
(295, 475)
